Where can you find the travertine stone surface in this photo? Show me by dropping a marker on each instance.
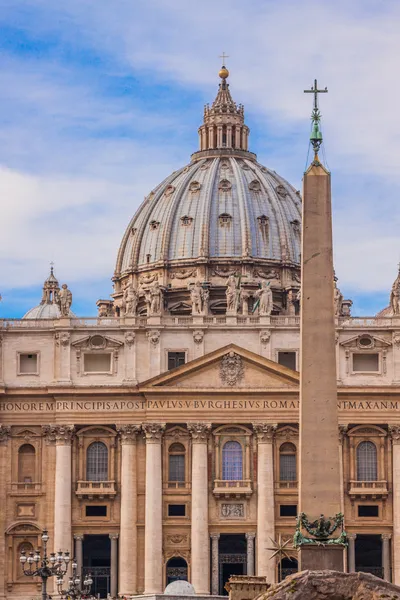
(332, 585)
(319, 476)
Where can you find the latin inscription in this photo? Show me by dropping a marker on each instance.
(171, 405)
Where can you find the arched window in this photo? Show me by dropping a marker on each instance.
(232, 462)
(176, 569)
(97, 462)
(26, 464)
(286, 567)
(367, 465)
(176, 463)
(287, 462)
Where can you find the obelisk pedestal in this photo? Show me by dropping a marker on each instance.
(319, 473)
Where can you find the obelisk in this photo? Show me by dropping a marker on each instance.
(319, 473)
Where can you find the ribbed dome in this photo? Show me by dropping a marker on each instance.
(218, 207)
(45, 311)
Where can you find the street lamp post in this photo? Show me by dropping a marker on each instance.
(74, 591)
(44, 567)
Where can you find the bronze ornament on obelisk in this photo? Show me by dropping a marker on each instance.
(319, 536)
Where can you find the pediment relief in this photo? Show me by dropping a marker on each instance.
(365, 341)
(26, 433)
(228, 368)
(287, 433)
(97, 342)
(96, 432)
(176, 433)
(362, 431)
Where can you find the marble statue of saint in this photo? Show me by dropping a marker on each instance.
(64, 300)
(131, 300)
(265, 297)
(290, 302)
(394, 298)
(337, 301)
(155, 298)
(231, 295)
(206, 300)
(196, 296)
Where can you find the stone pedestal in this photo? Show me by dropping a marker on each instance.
(317, 558)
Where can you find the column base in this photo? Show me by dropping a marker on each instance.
(319, 558)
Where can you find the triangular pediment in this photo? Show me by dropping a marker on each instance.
(365, 341)
(228, 368)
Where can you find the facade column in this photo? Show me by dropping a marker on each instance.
(250, 553)
(265, 498)
(62, 435)
(351, 552)
(386, 556)
(214, 564)
(200, 558)
(79, 553)
(128, 529)
(114, 564)
(153, 559)
(395, 435)
(5, 467)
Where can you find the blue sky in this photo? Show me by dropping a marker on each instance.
(100, 100)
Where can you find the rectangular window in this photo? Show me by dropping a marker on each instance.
(176, 359)
(288, 510)
(176, 510)
(287, 359)
(96, 510)
(28, 364)
(368, 510)
(366, 363)
(97, 363)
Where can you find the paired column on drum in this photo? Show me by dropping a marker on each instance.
(128, 532)
(265, 498)
(395, 435)
(199, 532)
(153, 559)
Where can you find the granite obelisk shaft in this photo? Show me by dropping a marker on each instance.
(319, 474)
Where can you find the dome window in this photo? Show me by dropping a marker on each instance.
(281, 191)
(225, 185)
(296, 226)
(133, 230)
(255, 186)
(169, 190)
(186, 221)
(154, 225)
(194, 186)
(263, 221)
(225, 219)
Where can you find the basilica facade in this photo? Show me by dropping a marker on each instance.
(159, 440)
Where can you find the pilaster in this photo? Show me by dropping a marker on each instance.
(394, 431)
(214, 564)
(5, 432)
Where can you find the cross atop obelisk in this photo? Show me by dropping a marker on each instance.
(319, 475)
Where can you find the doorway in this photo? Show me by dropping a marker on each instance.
(97, 563)
(369, 554)
(232, 558)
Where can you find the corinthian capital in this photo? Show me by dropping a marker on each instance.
(265, 432)
(199, 431)
(128, 433)
(5, 432)
(153, 431)
(342, 432)
(394, 432)
(61, 434)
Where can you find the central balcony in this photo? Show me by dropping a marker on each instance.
(95, 489)
(232, 488)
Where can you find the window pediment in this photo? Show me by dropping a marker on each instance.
(97, 342)
(365, 341)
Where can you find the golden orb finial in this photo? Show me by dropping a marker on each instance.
(223, 72)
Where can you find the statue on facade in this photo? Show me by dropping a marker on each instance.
(337, 300)
(232, 295)
(206, 300)
(64, 300)
(395, 296)
(291, 298)
(156, 296)
(265, 299)
(131, 300)
(197, 298)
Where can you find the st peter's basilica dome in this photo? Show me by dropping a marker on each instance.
(222, 214)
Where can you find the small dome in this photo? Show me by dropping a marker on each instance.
(48, 307)
(179, 588)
